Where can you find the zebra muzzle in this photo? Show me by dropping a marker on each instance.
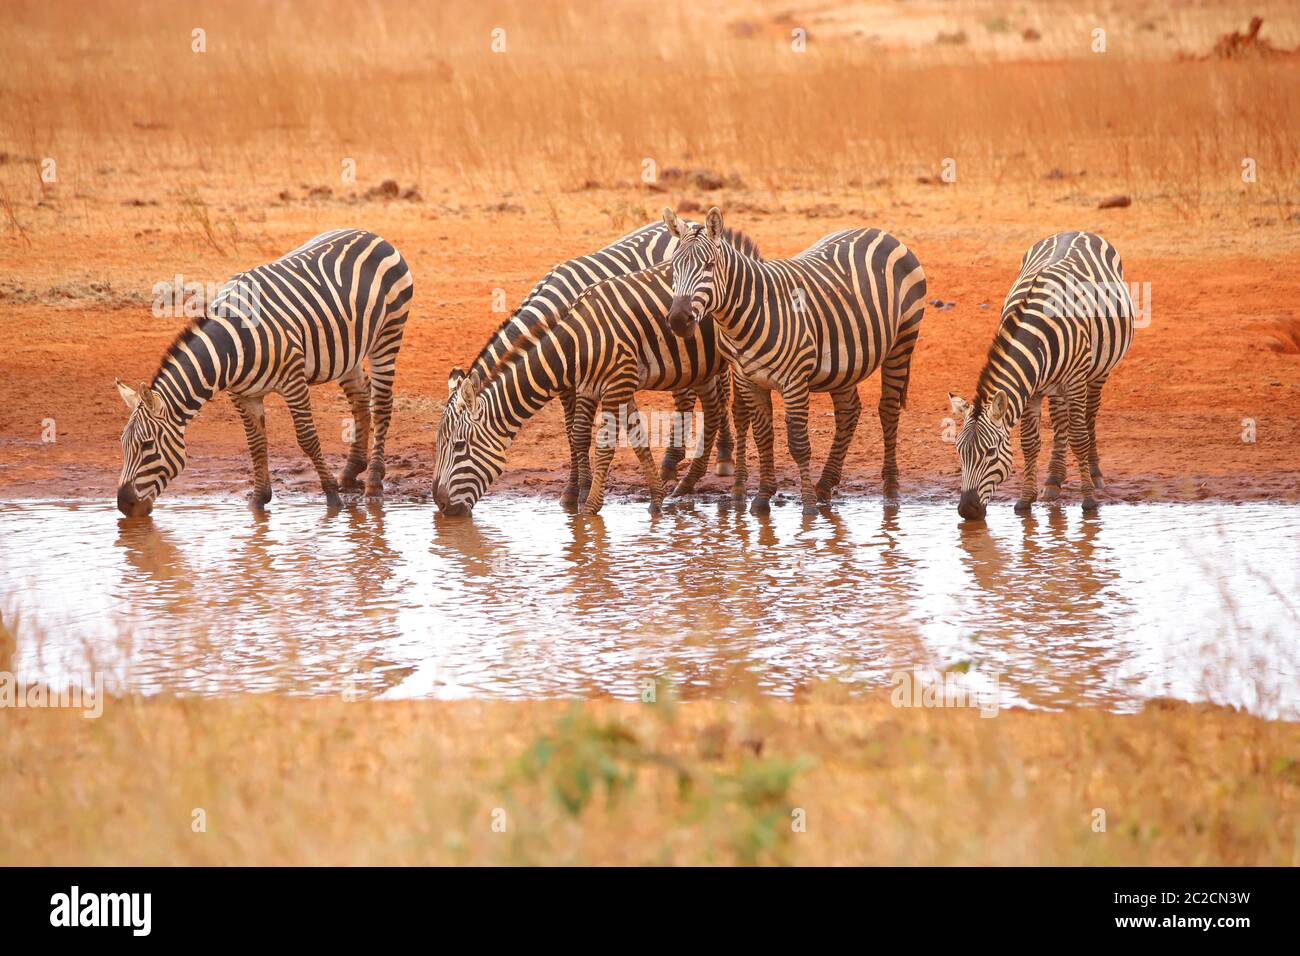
(130, 505)
(969, 506)
(681, 316)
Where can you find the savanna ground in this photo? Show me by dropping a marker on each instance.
(489, 141)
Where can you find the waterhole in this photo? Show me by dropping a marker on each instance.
(1193, 601)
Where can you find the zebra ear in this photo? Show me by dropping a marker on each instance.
(454, 378)
(713, 224)
(998, 406)
(673, 223)
(959, 406)
(150, 398)
(131, 398)
(470, 387)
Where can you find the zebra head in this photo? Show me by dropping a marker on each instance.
(696, 265)
(468, 453)
(153, 450)
(984, 450)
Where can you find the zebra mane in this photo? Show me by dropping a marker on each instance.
(742, 243)
(482, 353)
(187, 333)
(1012, 324)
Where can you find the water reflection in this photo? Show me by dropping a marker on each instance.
(527, 600)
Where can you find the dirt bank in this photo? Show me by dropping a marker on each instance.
(1221, 348)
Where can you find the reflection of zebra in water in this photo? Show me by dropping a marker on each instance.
(612, 343)
(820, 322)
(1066, 323)
(312, 316)
(549, 299)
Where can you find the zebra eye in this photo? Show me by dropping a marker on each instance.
(460, 447)
(991, 453)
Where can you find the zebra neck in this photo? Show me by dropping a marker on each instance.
(523, 386)
(744, 280)
(1018, 366)
(199, 364)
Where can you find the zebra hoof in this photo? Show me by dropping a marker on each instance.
(682, 490)
(824, 492)
(656, 508)
(724, 469)
(569, 498)
(891, 489)
(348, 482)
(809, 510)
(760, 506)
(1051, 492)
(1024, 506)
(1089, 504)
(332, 500)
(259, 499)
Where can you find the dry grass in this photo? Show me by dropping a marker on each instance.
(327, 782)
(285, 93)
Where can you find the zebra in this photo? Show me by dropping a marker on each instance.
(550, 298)
(310, 316)
(612, 343)
(819, 322)
(1066, 323)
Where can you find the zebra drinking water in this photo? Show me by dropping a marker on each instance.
(314, 315)
(552, 296)
(819, 322)
(1066, 323)
(611, 344)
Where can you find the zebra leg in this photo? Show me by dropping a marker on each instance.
(299, 401)
(795, 400)
(1078, 399)
(1060, 410)
(1030, 442)
(356, 386)
(683, 408)
(383, 362)
(726, 445)
(254, 417)
(895, 371)
(742, 415)
(760, 407)
(714, 411)
(1094, 463)
(647, 460)
(848, 408)
(584, 410)
(604, 457)
(569, 497)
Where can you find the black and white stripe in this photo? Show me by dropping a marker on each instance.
(611, 344)
(552, 296)
(1066, 323)
(317, 314)
(820, 322)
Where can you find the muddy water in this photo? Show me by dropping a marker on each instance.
(1189, 601)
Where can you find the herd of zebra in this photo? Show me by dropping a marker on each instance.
(689, 308)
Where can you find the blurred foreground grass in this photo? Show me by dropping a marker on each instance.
(827, 780)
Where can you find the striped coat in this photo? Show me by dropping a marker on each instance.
(318, 314)
(552, 296)
(1065, 325)
(820, 322)
(613, 342)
